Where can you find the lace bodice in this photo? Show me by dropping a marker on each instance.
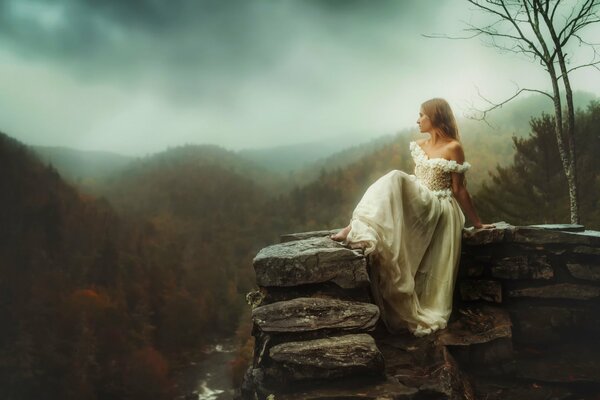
(435, 173)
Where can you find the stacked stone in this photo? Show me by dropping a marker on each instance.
(525, 319)
(312, 316)
(547, 278)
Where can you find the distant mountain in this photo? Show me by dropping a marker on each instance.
(286, 159)
(179, 161)
(343, 158)
(83, 168)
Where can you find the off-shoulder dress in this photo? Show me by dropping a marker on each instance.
(413, 225)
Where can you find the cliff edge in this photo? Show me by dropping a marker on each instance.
(526, 315)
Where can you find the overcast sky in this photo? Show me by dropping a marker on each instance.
(137, 76)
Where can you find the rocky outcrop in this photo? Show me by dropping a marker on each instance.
(313, 313)
(525, 319)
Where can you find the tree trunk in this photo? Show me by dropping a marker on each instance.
(570, 162)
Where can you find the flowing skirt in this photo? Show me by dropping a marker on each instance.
(415, 238)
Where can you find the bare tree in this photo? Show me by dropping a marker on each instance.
(543, 31)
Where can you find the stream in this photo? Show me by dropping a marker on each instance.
(209, 379)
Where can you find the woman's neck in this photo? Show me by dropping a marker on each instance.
(435, 138)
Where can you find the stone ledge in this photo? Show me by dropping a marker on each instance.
(522, 267)
(312, 314)
(313, 260)
(558, 291)
(325, 358)
(590, 272)
(532, 234)
(550, 284)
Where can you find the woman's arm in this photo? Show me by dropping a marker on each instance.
(460, 192)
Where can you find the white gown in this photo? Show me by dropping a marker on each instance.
(413, 225)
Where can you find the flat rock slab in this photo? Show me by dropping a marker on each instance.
(593, 251)
(544, 236)
(522, 267)
(325, 358)
(532, 234)
(312, 314)
(329, 290)
(560, 227)
(501, 233)
(558, 291)
(590, 272)
(307, 261)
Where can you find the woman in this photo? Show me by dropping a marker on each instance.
(413, 224)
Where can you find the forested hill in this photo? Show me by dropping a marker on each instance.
(85, 168)
(92, 303)
(214, 216)
(197, 157)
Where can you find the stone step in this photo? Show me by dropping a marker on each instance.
(324, 359)
(589, 272)
(565, 290)
(534, 266)
(309, 261)
(307, 314)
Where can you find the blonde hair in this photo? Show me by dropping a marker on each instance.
(442, 118)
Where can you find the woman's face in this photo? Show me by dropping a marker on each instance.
(424, 122)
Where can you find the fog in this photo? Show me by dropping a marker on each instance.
(135, 77)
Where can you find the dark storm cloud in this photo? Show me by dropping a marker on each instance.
(186, 34)
(138, 76)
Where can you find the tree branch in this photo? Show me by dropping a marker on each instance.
(499, 105)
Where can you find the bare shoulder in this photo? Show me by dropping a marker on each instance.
(455, 151)
(420, 142)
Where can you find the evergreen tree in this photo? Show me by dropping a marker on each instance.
(533, 189)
